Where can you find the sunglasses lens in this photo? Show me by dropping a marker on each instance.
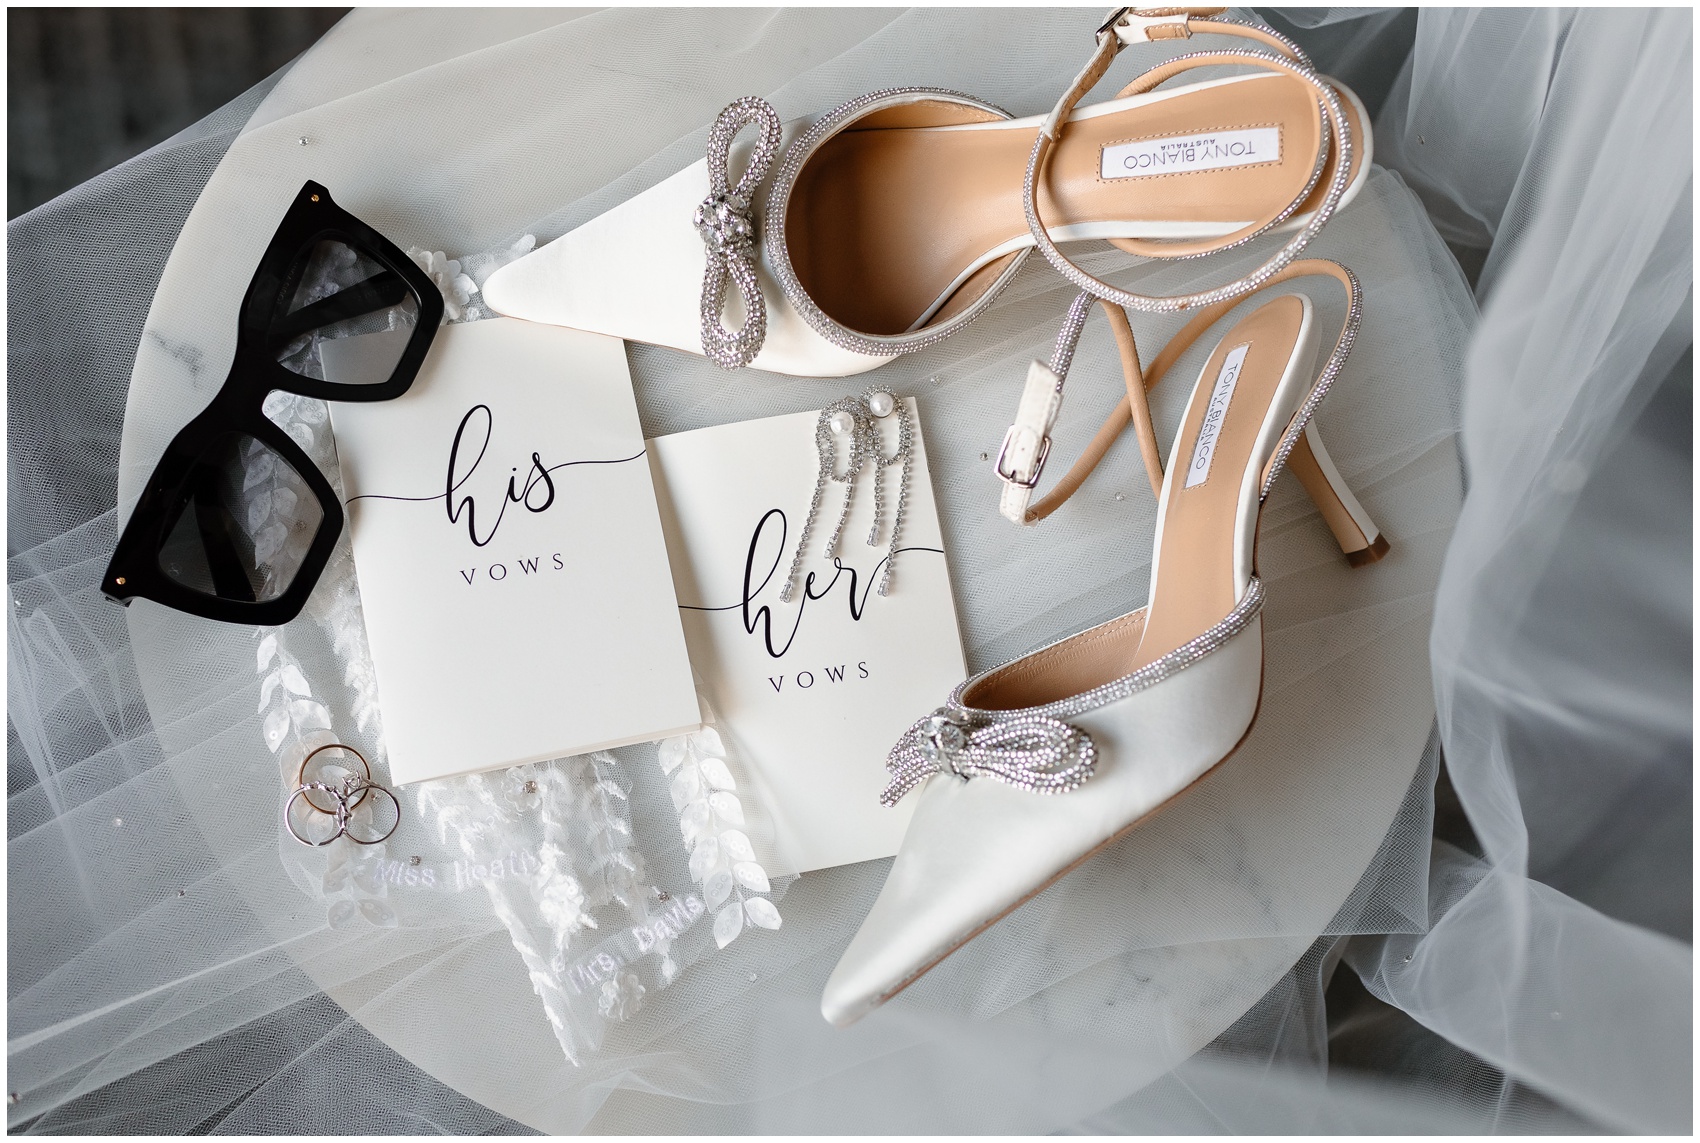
(241, 526)
(346, 319)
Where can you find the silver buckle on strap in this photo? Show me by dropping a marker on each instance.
(1140, 25)
(1038, 461)
(1109, 25)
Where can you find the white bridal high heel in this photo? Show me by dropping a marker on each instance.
(1115, 721)
(896, 219)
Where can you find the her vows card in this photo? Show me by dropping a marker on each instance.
(815, 691)
(512, 568)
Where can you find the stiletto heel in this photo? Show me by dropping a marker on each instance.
(1114, 722)
(1359, 538)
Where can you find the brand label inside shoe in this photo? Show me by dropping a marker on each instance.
(1178, 154)
(1214, 414)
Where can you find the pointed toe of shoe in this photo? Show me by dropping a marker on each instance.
(850, 994)
(901, 938)
(521, 289)
(943, 888)
(636, 273)
(953, 877)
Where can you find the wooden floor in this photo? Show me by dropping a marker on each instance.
(88, 88)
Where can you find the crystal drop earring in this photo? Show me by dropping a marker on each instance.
(855, 421)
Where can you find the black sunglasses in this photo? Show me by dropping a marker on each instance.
(237, 523)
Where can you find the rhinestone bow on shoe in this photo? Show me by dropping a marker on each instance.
(1033, 749)
(729, 232)
(1028, 751)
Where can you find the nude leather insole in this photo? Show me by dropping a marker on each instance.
(885, 216)
(1194, 569)
(1193, 577)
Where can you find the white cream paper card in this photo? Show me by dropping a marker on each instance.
(512, 568)
(814, 692)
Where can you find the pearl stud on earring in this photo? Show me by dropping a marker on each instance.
(881, 403)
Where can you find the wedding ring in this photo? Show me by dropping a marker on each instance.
(340, 813)
(348, 820)
(365, 775)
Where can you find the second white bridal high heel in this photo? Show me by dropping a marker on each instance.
(1116, 721)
